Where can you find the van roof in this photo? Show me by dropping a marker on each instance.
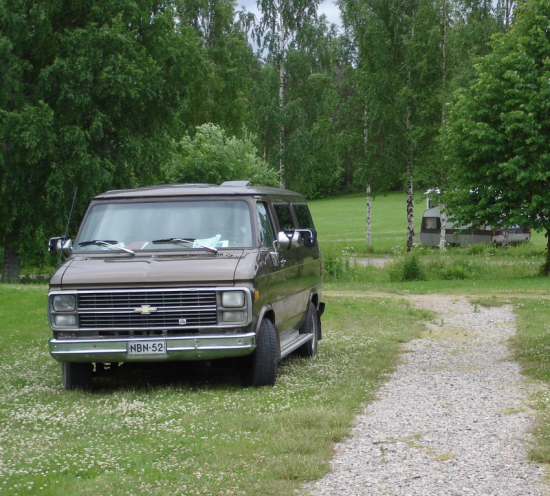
(181, 190)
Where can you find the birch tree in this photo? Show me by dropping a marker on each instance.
(279, 23)
(226, 65)
(397, 53)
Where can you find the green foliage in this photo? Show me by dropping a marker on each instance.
(295, 99)
(498, 137)
(226, 66)
(443, 269)
(89, 98)
(393, 82)
(480, 249)
(339, 267)
(212, 157)
(408, 268)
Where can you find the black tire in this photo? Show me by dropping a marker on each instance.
(262, 365)
(77, 376)
(311, 326)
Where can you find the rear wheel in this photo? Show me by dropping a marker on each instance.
(310, 326)
(262, 366)
(77, 376)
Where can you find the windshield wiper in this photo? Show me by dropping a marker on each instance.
(181, 240)
(109, 243)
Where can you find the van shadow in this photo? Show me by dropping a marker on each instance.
(179, 375)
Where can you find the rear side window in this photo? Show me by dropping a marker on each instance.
(303, 216)
(282, 210)
(431, 223)
(265, 229)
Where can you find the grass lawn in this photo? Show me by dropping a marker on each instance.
(531, 347)
(174, 431)
(341, 223)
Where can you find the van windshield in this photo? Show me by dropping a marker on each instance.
(171, 225)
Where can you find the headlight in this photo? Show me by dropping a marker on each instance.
(64, 303)
(65, 320)
(233, 316)
(233, 299)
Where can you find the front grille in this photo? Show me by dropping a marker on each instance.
(134, 300)
(117, 310)
(135, 320)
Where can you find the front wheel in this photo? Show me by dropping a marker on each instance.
(262, 365)
(77, 376)
(310, 326)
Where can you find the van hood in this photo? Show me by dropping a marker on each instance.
(150, 270)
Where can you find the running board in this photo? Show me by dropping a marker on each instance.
(296, 343)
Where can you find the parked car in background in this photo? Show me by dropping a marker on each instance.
(190, 272)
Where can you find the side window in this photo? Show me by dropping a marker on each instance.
(303, 216)
(431, 223)
(264, 225)
(282, 210)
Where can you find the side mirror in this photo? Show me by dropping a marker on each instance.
(289, 238)
(54, 245)
(63, 244)
(310, 237)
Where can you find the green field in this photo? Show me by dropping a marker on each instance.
(341, 223)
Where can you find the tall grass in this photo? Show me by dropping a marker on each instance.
(441, 267)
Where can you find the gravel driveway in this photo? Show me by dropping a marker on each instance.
(452, 420)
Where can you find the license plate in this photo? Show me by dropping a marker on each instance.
(147, 348)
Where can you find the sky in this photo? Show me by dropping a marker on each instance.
(327, 7)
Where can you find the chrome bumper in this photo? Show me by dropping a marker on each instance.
(193, 347)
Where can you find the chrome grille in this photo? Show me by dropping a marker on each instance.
(117, 310)
(133, 300)
(136, 320)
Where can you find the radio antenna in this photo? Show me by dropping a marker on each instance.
(67, 228)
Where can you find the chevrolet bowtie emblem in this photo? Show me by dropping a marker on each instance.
(145, 309)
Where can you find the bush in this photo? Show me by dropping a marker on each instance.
(477, 249)
(213, 157)
(334, 266)
(340, 267)
(408, 268)
(444, 270)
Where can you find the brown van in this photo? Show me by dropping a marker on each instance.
(187, 272)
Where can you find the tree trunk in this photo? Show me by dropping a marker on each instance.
(281, 99)
(365, 144)
(443, 228)
(546, 266)
(10, 265)
(504, 238)
(442, 215)
(409, 187)
(368, 215)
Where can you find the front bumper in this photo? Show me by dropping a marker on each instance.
(192, 347)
